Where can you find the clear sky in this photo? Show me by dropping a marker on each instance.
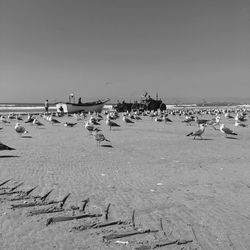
(120, 48)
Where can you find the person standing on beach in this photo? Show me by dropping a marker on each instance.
(46, 106)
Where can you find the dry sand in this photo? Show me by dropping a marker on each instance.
(200, 188)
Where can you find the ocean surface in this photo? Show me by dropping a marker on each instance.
(24, 107)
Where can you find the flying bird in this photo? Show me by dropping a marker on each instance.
(198, 132)
(226, 131)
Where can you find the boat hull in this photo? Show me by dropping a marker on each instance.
(83, 107)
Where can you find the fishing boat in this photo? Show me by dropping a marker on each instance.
(72, 107)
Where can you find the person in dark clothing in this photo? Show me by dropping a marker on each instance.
(80, 100)
(46, 106)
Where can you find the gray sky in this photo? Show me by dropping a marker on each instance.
(115, 48)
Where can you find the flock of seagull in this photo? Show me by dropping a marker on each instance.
(92, 121)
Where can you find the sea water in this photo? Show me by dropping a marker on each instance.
(24, 107)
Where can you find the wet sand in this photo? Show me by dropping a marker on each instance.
(199, 188)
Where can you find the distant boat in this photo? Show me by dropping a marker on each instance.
(69, 107)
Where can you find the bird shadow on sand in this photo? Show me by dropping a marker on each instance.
(204, 139)
(9, 156)
(26, 136)
(233, 138)
(106, 146)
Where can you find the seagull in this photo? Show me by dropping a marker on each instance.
(158, 119)
(89, 126)
(239, 117)
(5, 147)
(188, 120)
(227, 115)
(226, 131)
(111, 123)
(36, 122)
(94, 120)
(30, 119)
(69, 124)
(20, 129)
(126, 119)
(4, 120)
(166, 119)
(53, 120)
(198, 132)
(239, 124)
(99, 137)
(201, 121)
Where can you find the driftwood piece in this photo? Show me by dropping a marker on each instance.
(126, 234)
(40, 203)
(45, 211)
(133, 219)
(12, 190)
(167, 243)
(23, 195)
(192, 228)
(161, 225)
(4, 182)
(107, 211)
(85, 202)
(43, 198)
(99, 225)
(18, 185)
(67, 218)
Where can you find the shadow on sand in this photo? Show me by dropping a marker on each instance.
(9, 156)
(107, 146)
(26, 136)
(233, 138)
(205, 139)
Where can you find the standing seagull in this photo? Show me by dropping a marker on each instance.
(198, 132)
(111, 123)
(20, 129)
(89, 126)
(5, 147)
(239, 124)
(226, 131)
(127, 120)
(37, 123)
(99, 137)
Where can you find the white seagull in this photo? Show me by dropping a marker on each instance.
(37, 123)
(111, 123)
(226, 131)
(126, 119)
(239, 124)
(198, 132)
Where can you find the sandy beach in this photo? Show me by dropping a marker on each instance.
(200, 189)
